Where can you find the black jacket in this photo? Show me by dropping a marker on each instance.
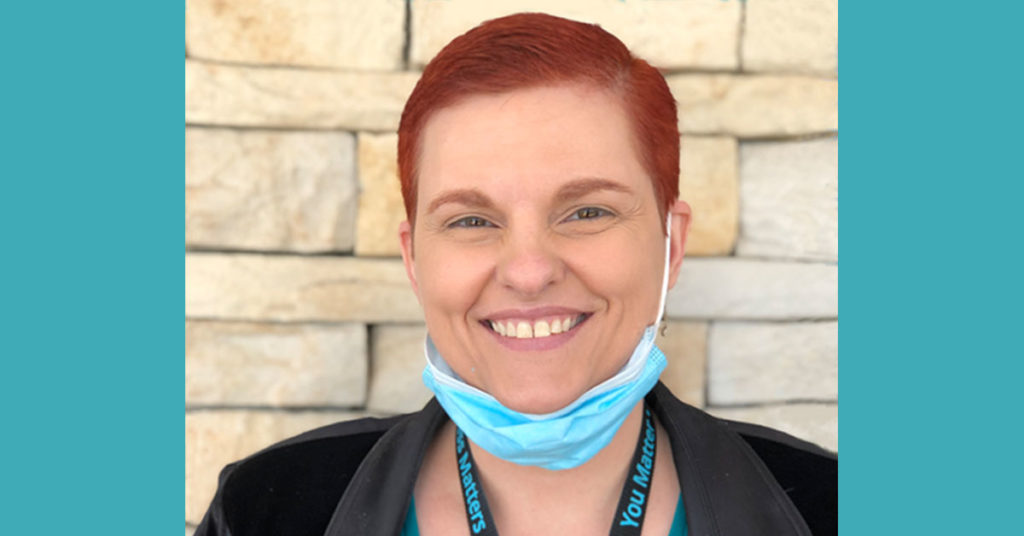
(356, 478)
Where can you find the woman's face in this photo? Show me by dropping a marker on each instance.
(537, 252)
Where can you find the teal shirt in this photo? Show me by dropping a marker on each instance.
(411, 528)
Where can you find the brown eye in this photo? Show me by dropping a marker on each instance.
(589, 213)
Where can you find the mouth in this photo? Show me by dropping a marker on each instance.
(539, 328)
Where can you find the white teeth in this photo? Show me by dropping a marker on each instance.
(541, 328)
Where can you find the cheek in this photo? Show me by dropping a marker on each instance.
(450, 280)
(625, 271)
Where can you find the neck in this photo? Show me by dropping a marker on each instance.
(598, 482)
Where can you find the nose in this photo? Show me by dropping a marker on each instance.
(529, 263)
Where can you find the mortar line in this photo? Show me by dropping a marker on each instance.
(742, 33)
(407, 46)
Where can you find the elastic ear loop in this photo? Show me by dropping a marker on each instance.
(664, 275)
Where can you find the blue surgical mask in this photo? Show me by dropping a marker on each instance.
(565, 438)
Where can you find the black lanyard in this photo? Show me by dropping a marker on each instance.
(629, 516)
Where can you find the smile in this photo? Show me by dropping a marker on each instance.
(534, 329)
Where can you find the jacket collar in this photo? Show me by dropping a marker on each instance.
(726, 488)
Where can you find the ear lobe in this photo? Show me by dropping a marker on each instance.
(405, 241)
(680, 226)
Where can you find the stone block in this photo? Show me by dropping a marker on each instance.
(396, 385)
(217, 94)
(669, 35)
(755, 106)
(380, 203)
(685, 346)
(312, 33)
(238, 363)
(790, 193)
(773, 362)
(296, 289)
(791, 36)
(263, 190)
(732, 288)
(817, 423)
(708, 182)
(214, 439)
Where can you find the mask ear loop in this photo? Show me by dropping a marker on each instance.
(664, 276)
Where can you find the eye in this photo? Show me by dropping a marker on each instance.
(588, 213)
(470, 222)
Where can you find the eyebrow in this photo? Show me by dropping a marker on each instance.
(463, 196)
(587, 185)
(572, 190)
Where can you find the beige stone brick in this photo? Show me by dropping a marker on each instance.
(817, 423)
(240, 363)
(668, 34)
(708, 183)
(285, 288)
(261, 190)
(380, 203)
(685, 347)
(733, 288)
(397, 383)
(790, 193)
(314, 33)
(215, 438)
(755, 106)
(756, 362)
(217, 94)
(791, 36)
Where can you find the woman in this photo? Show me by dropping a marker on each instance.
(539, 167)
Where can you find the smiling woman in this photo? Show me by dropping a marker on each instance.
(539, 162)
(509, 188)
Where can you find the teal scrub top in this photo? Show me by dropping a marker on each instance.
(411, 528)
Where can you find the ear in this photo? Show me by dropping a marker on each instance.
(680, 226)
(405, 240)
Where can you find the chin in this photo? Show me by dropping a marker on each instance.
(539, 401)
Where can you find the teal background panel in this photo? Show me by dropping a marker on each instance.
(929, 280)
(93, 286)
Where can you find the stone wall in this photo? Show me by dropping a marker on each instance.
(298, 312)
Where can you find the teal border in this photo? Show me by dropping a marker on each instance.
(929, 293)
(92, 224)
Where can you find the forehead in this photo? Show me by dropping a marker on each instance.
(539, 137)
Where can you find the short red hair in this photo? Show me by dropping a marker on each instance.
(533, 49)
